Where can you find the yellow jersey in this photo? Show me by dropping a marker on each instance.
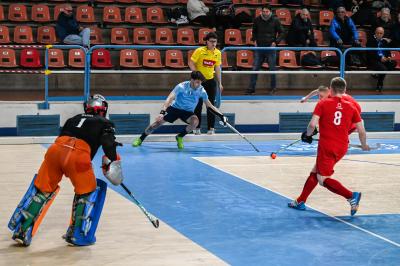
(205, 60)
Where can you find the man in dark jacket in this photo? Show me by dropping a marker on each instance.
(342, 30)
(384, 21)
(68, 29)
(396, 33)
(267, 32)
(301, 32)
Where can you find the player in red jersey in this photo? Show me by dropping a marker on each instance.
(335, 117)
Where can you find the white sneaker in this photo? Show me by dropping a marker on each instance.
(197, 131)
(211, 131)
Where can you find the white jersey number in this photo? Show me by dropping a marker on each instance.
(81, 122)
(338, 118)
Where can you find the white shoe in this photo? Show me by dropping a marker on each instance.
(211, 131)
(197, 131)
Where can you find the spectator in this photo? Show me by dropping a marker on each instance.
(199, 13)
(68, 29)
(301, 32)
(379, 60)
(226, 15)
(362, 12)
(342, 30)
(396, 33)
(267, 32)
(384, 21)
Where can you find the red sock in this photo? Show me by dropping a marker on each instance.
(336, 187)
(309, 186)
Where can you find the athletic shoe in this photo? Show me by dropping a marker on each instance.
(21, 237)
(197, 131)
(298, 206)
(137, 142)
(211, 131)
(354, 202)
(179, 141)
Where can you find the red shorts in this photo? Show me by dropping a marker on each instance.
(327, 159)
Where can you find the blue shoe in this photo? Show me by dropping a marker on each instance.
(354, 202)
(298, 206)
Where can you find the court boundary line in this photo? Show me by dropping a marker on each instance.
(334, 217)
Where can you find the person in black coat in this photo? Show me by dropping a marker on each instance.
(396, 33)
(301, 32)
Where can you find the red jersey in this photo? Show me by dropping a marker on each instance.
(336, 117)
(349, 98)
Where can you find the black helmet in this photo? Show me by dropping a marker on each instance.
(96, 105)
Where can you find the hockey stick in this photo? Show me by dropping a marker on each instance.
(273, 154)
(237, 132)
(377, 146)
(151, 217)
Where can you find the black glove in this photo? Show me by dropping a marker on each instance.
(315, 132)
(305, 138)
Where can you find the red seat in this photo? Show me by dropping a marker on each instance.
(46, 35)
(327, 53)
(23, 34)
(287, 59)
(146, 1)
(125, 1)
(189, 55)
(77, 1)
(258, 12)
(40, 13)
(112, 14)
(2, 13)
(202, 34)
(225, 63)
(85, 14)
(152, 59)
(57, 10)
(362, 37)
(7, 58)
(142, 36)
(325, 17)
(101, 58)
(120, 36)
(274, 3)
(56, 58)
(185, 36)
(233, 37)
(17, 12)
(164, 36)
(249, 37)
(302, 53)
(284, 16)
(155, 15)
(129, 58)
(76, 58)
(396, 57)
(244, 59)
(133, 15)
(96, 36)
(319, 38)
(4, 35)
(103, 1)
(167, 2)
(256, 2)
(30, 58)
(174, 59)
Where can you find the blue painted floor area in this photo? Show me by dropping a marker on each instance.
(242, 223)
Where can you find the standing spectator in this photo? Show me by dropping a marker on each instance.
(301, 32)
(199, 13)
(267, 32)
(68, 29)
(379, 60)
(342, 30)
(384, 21)
(396, 32)
(207, 59)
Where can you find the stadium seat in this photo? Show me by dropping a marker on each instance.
(164, 36)
(17, 13)
(257, 13)
(129, 58)
(287, 59)
(244, 10)
(101, 58)
(244, 59)
(103, 1)
(96, 36)
(319, 38)
(112, 14)
(2, 13)
(152, 59)
(146, 1)
(284, 16)
(233, 37)
(249, 36)
(202, 34)
(7, 58)
(302, 53)
(312, 3)
(167, 2)
(85, 14)
(133, 14)
(185, 36)
(174, 59)
(225, 63)
(4, 35)
(274, 3)
(189, 55)
(185, 1)
(120, 36)
(396, 57)
(327, 53)
(56, 58)
(57, 11)
(46, 35)
(23, 35)
(325, 17)
(125, 1)
(40, 13)
(142, 36)
(30, 58)
(76, 58)
(256, 2)
(155, 15)
(362, 36)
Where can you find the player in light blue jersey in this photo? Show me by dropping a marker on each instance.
(181, 103)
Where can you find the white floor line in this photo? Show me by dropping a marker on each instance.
(336, 218)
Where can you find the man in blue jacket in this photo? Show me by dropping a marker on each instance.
(68, 29)
(342, 30)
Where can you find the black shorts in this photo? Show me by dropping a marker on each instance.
(175, 113)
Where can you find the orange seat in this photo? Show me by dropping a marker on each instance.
(284, 16)
(152, 59)
(189, 55)
(233, 37)
(302, 53)
(244, 59)
(120, 36)
(258, 12)
(185, 36)
(274, 3)
(46, 35)
(225, 63)
(2, 13)
(112, 14)
(155, 15)
(40, 13)
(7, 58)
(319, 38)
(164, 36)
(101, 58)
(23, 34)
(327, 53)
(17, 12)
(30, 58)
(129, 58)
(362, 37)
(102, 1)
(325, 17)
(76, 58)
(256, 2)
(125, 1)
(249, 37)
(57, 10)
(133, 15)
(174, 59)
(4, 35)
(85, 14)
(96, 36)
(396, 57)
(287, 59)
(202, 34)
(167, 2)
(56, 58)
(146, 1)
(142, 36)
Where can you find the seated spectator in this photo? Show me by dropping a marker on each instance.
(362, 12)
(379, 60)
(342, 30)
(396, 33)
(384, 21)
(301, 32)
(199, 13)
(68, 29)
